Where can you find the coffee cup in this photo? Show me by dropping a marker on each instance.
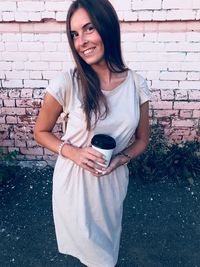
(105, 144)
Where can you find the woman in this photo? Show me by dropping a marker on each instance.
(88, 205)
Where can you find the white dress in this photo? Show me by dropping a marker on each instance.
(88, 210)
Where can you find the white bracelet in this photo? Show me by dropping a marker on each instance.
(61, 147)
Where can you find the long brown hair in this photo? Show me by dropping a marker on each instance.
(105, 20)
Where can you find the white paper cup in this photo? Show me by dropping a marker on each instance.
(105, 144)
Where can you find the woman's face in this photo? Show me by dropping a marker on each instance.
(87, 41)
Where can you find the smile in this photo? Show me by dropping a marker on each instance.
(88, 51)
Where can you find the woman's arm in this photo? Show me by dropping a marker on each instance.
(140, 144)
(49, 113)
(45, 123)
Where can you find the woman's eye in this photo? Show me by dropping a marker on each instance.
(90, 28)
(74, 35)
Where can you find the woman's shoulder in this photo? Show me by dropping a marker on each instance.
(60, 85)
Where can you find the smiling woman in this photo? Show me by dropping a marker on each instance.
(103, 99)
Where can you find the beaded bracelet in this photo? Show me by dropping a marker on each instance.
(60, 147)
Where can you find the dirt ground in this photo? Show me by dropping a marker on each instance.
(161, 224)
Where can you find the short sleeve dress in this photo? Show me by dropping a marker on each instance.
(88, 210)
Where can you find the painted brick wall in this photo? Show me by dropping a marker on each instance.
(160, 40)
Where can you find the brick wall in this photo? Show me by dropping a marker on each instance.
(160, 40)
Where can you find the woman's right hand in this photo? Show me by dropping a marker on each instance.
(87, 158)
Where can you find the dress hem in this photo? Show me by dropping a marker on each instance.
(84, 261)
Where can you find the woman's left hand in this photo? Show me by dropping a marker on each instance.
(116, 162)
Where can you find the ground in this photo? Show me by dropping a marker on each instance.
(161, 224)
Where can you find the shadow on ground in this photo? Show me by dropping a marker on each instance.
(161, 224)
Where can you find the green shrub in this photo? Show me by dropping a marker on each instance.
(163, 160)
(7, 172)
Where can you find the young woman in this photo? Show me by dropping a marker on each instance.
(88, 205)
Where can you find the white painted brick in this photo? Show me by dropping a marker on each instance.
(146, 66)
(18, 65)
(57, 6)
(14, 56)
(8, 6)
(148, 46)
(48, 75)
(11, 46)
(36, 65)
(153, 75)
(21, 16)
(132, 37)
(190, 85)
(27, 37)
(2, 75)
(171, 37)
(16, 75)
(50, 37)
(193, 56)
(198, 15)
(193, 36)
(34, 56)
(64, 37)
(146, 4)
(164, 84)
(185, 46)
(145, 15)
(48, 47)
(30, 46)
(53, 56)
(196, 4)
(120, 15)
(150, 37)
(8, 16)
(174, 66)
(190, 66)
(11, 37)
(12, 84)
(31, 6)
(48, 15)
(35, 83)
(128, 47)
(130, 16)
(36, 75)
(160, 15)
(36, 16)
(60, 16)
(193, 76)
(121, 5)
(55, 66)
(178, 4)
(62, 47)
(181, 14)
(173, 76)
(2, 47)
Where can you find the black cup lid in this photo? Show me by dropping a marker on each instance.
(103, 141)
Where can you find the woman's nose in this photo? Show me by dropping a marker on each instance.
(82, 40)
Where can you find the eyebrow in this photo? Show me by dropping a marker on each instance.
(84, 26)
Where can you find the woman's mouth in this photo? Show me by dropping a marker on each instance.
(89, 51)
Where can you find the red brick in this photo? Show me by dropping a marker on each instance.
(32, 151)
(9, 103)
(28, 103)
(12, 111)
(11, 119)
(186, 105)
(186, 113)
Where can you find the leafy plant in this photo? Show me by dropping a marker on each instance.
(163, 160)
(6, 171)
